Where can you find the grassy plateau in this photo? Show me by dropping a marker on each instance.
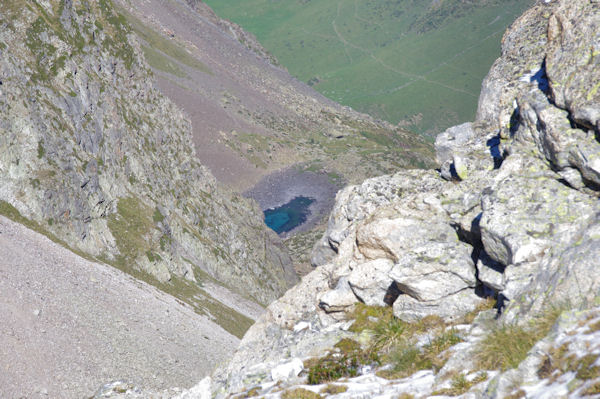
(416, 63)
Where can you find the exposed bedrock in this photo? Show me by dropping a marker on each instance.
(511, 213)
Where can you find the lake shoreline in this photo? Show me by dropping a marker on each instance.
(281, 187)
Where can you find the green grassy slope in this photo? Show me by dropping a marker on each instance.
(415, 62)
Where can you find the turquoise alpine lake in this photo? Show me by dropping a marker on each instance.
(288, 216)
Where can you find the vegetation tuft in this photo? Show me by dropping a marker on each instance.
(461, 384)
(507, 345)
(300, 393)
(392, 341)
(131, 226)
(344, 361)
(332, 389)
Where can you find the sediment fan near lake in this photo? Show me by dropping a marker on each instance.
(511, 214)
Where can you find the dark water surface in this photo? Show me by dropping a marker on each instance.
(288, 216)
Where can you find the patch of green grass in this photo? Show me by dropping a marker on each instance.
(406, 358)
(300, 393)
(333, 389)
(156, 42)
(157, 216)
(506, 346)
(388, 331)
(367, 317)
(161, 62)
(460, 384)
(165, 242)
(131, 226)
(40, 150)
(393, 340)
(403, 61)
(344, 361)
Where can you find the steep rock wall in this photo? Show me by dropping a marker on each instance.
(95, 155)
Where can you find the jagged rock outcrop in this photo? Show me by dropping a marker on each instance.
(92, 152)
(511, 214)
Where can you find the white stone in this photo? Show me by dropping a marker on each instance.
(202, 390)
(301, 326)
(288, 370)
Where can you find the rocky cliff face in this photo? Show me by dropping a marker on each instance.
(96, 157)
(512, 215)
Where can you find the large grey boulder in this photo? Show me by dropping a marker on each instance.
(530, 211)
(572, 60)
(568, 278)
(430, 264)
(355, 203)
(520, 66)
